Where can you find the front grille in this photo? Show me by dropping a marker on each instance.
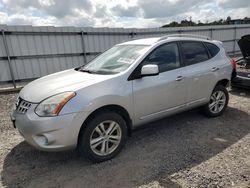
(22, 106)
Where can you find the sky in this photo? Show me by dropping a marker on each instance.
(118, 13)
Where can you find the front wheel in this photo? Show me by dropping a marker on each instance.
(103, 137)
(217, 103)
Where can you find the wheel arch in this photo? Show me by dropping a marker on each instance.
(224, 82)
(110, 108)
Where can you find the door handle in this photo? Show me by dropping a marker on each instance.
(214, 69)
(179, 78)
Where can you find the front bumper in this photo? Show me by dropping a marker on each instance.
(49, 133)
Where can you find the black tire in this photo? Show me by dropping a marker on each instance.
(85, 136)
(206, 108)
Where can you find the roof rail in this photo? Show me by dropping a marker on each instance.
(184, 35)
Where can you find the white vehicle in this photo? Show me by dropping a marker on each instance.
(94, 107)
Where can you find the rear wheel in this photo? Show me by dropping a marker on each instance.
(103, 137)
(218, 102)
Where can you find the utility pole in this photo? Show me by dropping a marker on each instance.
(190, 20)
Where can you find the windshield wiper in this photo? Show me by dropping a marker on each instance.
(88, 71)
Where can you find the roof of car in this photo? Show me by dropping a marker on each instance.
(144, 41)
(151, 41)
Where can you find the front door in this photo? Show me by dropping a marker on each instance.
(156, 96)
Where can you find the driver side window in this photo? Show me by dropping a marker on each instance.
(165, 56)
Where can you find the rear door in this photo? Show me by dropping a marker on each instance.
(201, 70)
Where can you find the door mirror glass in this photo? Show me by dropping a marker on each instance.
(150, 70)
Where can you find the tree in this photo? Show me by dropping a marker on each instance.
(174, 24)
(228, 19)
(189, 22)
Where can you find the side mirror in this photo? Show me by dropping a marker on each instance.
(149, 70)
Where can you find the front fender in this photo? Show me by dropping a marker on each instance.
(111, 92)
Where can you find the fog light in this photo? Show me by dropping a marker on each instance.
(42, 140)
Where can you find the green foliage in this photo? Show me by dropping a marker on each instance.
(227, 21)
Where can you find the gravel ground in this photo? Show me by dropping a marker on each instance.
(186, 150)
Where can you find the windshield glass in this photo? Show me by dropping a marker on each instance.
(116, 59)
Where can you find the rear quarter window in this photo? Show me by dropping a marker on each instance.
(213, 49)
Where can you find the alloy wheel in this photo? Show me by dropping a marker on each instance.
(105, 138)
(217, 102)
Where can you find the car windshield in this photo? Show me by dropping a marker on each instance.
(115, 60)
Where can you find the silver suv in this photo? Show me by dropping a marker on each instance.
(94, 107)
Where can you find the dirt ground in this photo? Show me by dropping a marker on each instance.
(186, 150)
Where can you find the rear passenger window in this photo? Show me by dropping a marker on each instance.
(194, 52)
(213, 49)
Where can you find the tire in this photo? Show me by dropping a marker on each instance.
(108, 133)
(221, 103)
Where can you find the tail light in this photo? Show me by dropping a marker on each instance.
(234, 64)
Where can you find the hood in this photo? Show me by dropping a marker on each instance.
(69, 80)
(244, 44)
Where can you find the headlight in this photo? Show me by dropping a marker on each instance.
(53, 105)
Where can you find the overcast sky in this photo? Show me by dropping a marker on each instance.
(117, 13)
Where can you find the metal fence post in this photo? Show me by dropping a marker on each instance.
(132, 34)
(211, 33)
(235, 33)
(83, 48)
(8, 57)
